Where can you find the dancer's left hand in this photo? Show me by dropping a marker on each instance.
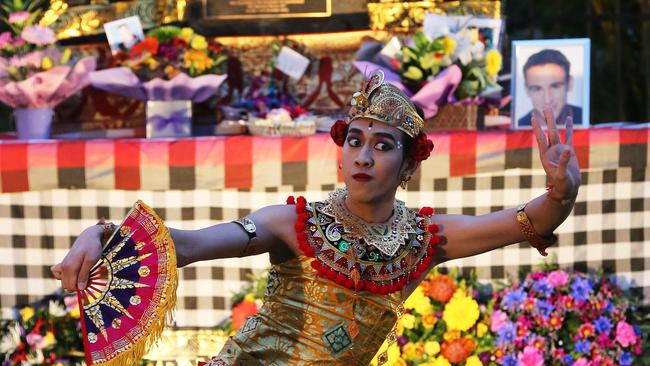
(558, 159)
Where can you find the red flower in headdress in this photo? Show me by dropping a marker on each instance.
(339, 131)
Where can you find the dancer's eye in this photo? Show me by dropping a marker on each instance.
(354, 142)
(383, 146)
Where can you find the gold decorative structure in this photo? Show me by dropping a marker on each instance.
(407, 16)
(83, 20)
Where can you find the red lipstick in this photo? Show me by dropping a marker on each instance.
(362, 177)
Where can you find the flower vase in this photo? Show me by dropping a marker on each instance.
(169, 118)
(33, 123)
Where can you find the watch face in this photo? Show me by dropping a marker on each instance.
(250, 227)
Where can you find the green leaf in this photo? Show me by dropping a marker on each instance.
(421, 41)
(413, 73)
(409, 54)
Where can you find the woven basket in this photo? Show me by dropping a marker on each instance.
(453, 117)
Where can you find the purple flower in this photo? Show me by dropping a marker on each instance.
(544, 308)
(18, 17)
(509, 360)
(38, 35)
(514, 299)
(507, 333)
(402, 340)
(625, 359)
(544, 287)
(5, 38)
(567, 359)
(484, 357)
(603, 324)
(583, 347)
(168, 51)
(581, 288)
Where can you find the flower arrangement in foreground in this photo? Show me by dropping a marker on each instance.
(444, 324)
(48, 333)
(561, 318)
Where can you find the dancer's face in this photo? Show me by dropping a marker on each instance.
(373, 160)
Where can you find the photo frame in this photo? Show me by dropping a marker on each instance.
(123, 33)
(540, 80)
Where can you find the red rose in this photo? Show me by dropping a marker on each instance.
(421, 148)
(339, 131)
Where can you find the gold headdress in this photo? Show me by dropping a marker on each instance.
(385, 103)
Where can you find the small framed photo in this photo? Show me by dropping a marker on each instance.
(122, 34)
(550, 74)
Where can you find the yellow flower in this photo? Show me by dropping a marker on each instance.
(249, 297)
(448, 45)
(423, 306)
(46, 63)
(199, 43)
(441, 361)
(493, 63)
(429, 320)
(66, 56)
(474, 33)
(49, 339)
(407, 321)
(413, 351)
(27, 313)
(75, 312)
(481, 329)
(186, 34)
(414, 298)
(413, 73)
(151, 63)
(432, 348)
(452, 334)
(473, 361)
(197, 60)
(461, 312)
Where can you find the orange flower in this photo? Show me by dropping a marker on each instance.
(150, 45)
(429, 320)
(441, 288)
(458, 350)
(241, 312)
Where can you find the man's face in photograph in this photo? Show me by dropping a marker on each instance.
(547, 87)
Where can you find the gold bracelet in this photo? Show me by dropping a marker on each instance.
(538, 242)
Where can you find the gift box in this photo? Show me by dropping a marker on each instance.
(169, 118)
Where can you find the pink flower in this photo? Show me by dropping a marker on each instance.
(625, 334)
(586, 330)
(558, 278)
(5, 38)
(531, 357)
(18, 17)
(498, 320)
(604, 341)
(581, 362)
(38, 35)
(70, 302)
(36, 341)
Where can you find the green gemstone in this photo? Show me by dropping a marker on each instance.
(374, 256)
(344, 246)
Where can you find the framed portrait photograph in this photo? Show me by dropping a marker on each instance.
(123, 33)
(550, 74)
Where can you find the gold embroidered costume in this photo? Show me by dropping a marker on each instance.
(338, 301)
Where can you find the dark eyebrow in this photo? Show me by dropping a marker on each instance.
(382, 134)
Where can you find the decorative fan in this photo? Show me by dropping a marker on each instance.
(131, 291)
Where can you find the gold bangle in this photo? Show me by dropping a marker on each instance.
(538, 242)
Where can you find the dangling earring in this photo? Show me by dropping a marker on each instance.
(405, 179)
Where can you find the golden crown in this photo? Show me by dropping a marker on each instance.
(385, 103)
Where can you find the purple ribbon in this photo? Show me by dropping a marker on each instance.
(177, 120)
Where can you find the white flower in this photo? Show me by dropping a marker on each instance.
(56, 309)
(35, 359)
(11, 340)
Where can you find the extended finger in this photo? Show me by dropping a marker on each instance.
(568, 138)
(540, 136)
(553, 134)
(564, 161)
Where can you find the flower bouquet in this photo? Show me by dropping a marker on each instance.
(245, 303)
(561, 318)
(48, 333)
(445, 65)
(35, 74)
(172, 66)
(444, 324)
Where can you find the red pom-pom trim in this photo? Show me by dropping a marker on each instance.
(301, 200)
(433, 228)
(427, 211)
(291, 200)
(421, 148)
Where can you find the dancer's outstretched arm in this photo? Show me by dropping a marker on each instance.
(470, 235)
(275, 235)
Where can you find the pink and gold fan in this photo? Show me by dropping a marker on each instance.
(131, 291)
